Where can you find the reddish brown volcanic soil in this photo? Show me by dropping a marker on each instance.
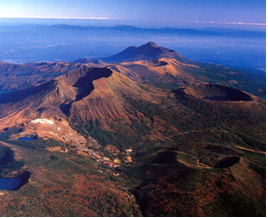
(87, 93)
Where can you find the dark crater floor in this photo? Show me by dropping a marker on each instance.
(227, 162)
(217, 93)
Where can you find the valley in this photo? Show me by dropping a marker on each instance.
(145, 132)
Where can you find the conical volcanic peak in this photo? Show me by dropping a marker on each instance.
(148, 51)
(150, 44)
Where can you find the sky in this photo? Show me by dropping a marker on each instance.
(165, 12)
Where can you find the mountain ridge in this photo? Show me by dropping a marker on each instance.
(169, 30)
(148, 51)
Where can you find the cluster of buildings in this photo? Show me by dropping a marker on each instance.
(100, 158)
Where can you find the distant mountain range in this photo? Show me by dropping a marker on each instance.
(48, 43)
(125, 29)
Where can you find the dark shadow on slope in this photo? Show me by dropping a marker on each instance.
(167, 157)
(227, 162)
(85, 86)
(65, 108)
(22, 94)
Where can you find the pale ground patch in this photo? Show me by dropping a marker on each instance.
(247, 149)
(42, 120)
(58, 148)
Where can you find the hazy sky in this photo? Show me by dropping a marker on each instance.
(246, 12)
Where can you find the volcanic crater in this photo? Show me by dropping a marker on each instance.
(217, 93)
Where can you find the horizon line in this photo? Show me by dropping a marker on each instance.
(227, 22)
(106, 18)
(74, 18)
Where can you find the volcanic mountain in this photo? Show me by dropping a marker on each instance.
(80, 95)
(90, 94)
(196, 150)
(149, 51)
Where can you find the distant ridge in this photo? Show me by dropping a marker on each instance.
(123, 29)
(148, 51)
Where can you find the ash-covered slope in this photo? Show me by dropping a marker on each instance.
(149, 51)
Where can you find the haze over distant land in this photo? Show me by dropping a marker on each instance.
(246, 14)
(216, 17)
(143, 24)
(37, 40)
